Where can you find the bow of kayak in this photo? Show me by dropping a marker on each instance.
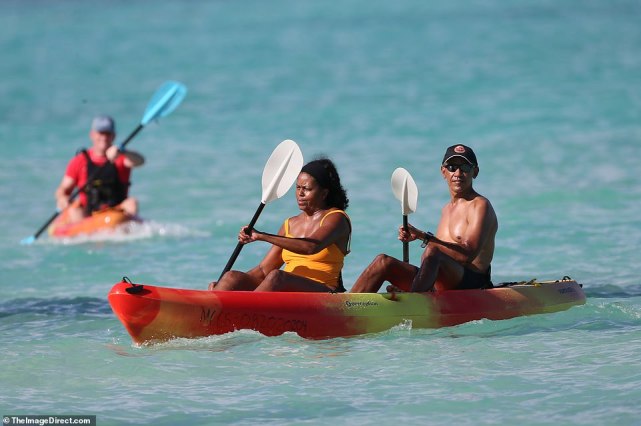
(100, 221)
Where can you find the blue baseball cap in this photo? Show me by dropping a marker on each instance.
(103, 124)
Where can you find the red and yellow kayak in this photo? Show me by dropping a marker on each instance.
(103, 220)
(155, 314)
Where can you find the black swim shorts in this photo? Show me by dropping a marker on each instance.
(474, 280)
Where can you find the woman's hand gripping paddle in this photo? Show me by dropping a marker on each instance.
(279, 174)
(406, 192)
(164, 101)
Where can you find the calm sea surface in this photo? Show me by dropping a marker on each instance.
(547, 92)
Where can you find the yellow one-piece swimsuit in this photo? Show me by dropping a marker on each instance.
(324, 266)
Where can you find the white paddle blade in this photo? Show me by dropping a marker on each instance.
(405, 190)
(281, 170)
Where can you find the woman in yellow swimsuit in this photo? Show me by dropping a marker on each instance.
(311, 245)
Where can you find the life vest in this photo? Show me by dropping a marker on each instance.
(105, 188)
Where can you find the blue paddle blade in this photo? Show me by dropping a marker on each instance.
(165, 101)
(27, 241)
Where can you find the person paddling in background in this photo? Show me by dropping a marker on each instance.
(460, 254)
(109, 169)
(311, 245)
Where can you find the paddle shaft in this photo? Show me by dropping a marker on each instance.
(130, 137)
(77, 191)
(406, 246)
(239, 246)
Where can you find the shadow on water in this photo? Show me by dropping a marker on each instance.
(54, 320)
(90, 306)
(611, 291)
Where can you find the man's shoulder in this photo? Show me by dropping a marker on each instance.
(478, 198)
(79, 158)
(80, 153)
(486, 206)
(480, 204)
(472, 199)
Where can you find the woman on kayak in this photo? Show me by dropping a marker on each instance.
(311, 245)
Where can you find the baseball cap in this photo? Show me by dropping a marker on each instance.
(103, 124)
(462, 151)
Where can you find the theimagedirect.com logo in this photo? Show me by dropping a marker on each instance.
(42, 420)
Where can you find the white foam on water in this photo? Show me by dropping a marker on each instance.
(132, 231)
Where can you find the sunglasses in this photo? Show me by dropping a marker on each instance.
(465, 168)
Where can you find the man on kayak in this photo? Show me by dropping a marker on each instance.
(108, 170)
(460, 254)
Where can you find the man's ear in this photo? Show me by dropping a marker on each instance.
(476, 172)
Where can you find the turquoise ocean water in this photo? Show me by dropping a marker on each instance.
(547, 92)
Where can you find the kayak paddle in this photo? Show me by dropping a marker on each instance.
(164, 101)
(406, 192)
(280, 172)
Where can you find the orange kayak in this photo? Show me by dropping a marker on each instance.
(102, 220)
(155, 314)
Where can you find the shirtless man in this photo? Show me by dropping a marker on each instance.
(460, 254)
